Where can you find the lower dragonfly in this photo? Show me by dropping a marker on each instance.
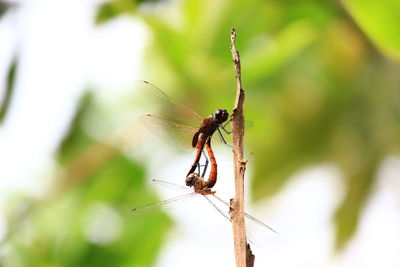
(200, 188)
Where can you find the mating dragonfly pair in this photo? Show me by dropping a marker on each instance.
(176, 118)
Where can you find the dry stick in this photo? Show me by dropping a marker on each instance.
(243, 254)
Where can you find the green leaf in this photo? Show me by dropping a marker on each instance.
(76, 139)
(380, 20)
(348, 215)
(5, 104)
(112, 9)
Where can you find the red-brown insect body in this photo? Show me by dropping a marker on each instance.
(183, 123)
(201, 139)
(212, 178)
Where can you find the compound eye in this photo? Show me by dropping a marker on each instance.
(191, 179)
(218, 114)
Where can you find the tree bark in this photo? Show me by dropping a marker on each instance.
(243, 254)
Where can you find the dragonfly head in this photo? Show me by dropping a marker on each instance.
(191, 179)
(220, 115)
(195, 180)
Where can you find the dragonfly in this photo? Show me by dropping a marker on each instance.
(174, 116)
(208, 194)
(178, 118)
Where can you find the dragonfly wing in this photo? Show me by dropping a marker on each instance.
(248, 216)
(159, 206)
(220, 210)
(166, 129)
(172, 185)
(256, 230)
(224, 213)
(161, 104)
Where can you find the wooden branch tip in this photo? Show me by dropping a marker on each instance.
(243, 254)
(233, 35)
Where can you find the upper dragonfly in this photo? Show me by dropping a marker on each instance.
(178, 117)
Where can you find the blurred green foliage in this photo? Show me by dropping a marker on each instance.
(3, 8)
(380, 21)
(86, 220)
(322, 86)
(112, 9)
(115, 8)
(5, 103)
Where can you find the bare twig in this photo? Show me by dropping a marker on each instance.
(243, 254)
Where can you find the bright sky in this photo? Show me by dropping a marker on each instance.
(61, 56)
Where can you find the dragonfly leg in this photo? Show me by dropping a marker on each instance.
(223, 127)
(221, 137)
(198, 163)
(205, 165)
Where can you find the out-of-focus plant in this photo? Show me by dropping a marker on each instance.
(317, 90)
(4, 7)
(380, 21)
(85, 219)
(9, 90)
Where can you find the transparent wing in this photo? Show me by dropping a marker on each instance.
(172, 185)
(255, 235)
(223, 212)
(159, 206)
(248, 216)
(165, 128)
(256, 230)
(159, 103)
